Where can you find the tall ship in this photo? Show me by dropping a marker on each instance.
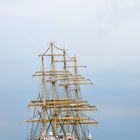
(59, 112)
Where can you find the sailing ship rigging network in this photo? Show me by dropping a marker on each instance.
(60, 112)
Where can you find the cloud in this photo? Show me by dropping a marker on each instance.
(44, 7)
(118, 111)
(61, 8)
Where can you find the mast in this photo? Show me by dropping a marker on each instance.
(66, 90)
(53, 89)
(43, 92)
(77, 96)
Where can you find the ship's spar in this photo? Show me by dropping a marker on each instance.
(60, 115)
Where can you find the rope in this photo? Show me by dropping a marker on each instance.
(58, 48)
(46, 50)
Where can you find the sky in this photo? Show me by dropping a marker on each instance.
(105, 36)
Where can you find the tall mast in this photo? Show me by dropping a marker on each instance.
(43, 92)
(77, 94)
(53, 89)
(66, 90)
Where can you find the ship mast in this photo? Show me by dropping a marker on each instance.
(43, 92)
(77, 96)
(66, 89)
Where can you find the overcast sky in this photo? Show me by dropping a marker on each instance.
(105, 36)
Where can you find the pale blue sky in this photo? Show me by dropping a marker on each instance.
(105, 36)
